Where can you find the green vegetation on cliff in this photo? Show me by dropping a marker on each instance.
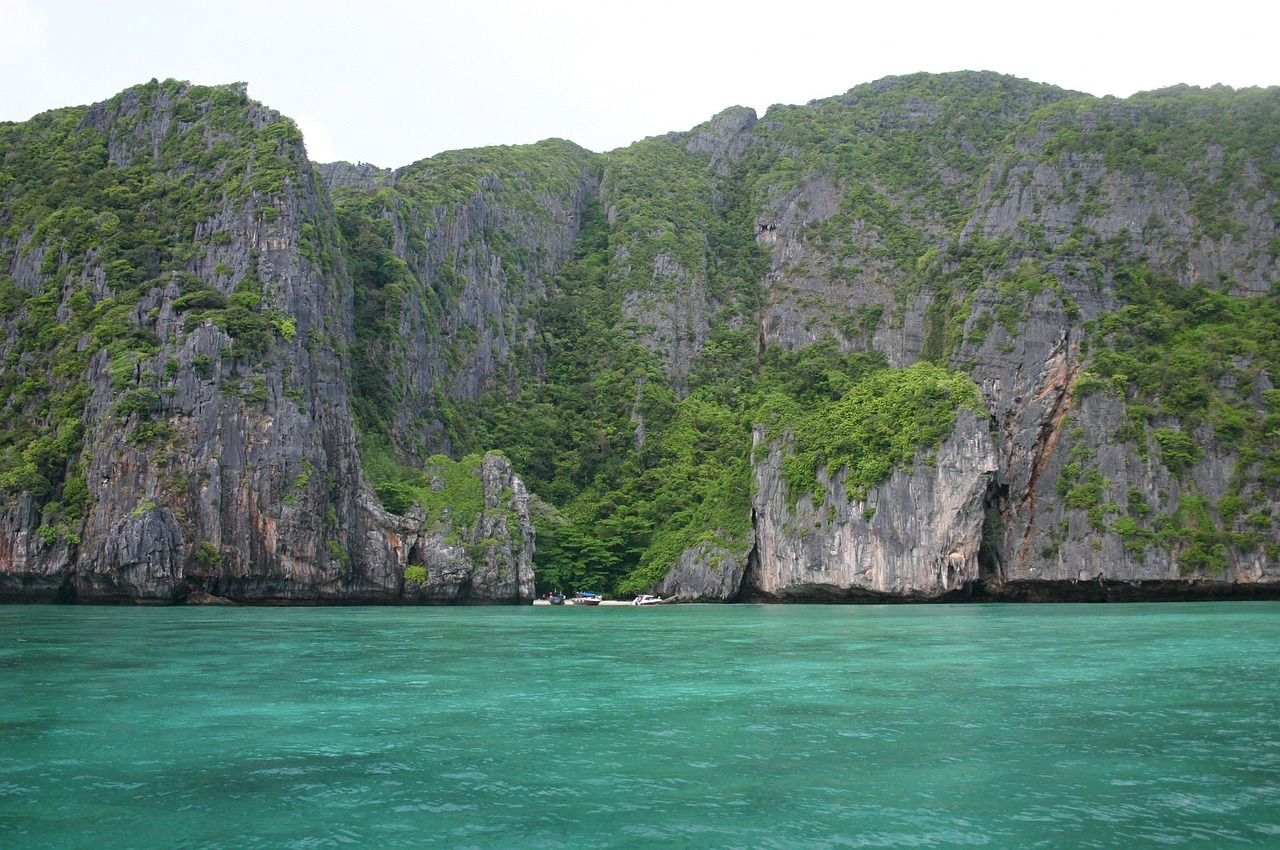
(1189, 364)
(450, 493)
(621, 325)
(873, 425)
(101, 210)
(1219, 143)
(629, 402)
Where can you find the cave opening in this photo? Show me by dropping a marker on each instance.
(991, 550)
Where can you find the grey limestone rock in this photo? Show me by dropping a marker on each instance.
(706, 573)
(915, 536)
(240, 477)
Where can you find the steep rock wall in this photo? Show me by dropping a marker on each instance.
(916, 536)
(459, 317)
(187, 397)
(1083, 500)
(219, 455)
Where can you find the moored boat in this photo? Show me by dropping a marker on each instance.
(591, 599)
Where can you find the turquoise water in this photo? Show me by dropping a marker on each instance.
(684, 726)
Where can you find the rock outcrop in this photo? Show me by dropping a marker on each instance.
(916, 536)
(222, 364)
(218, 454)
(707, 573)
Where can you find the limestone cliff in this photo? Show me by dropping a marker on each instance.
(1057, 251)
(916, 536)
(198, 357)
(229, 372)
(453, 257)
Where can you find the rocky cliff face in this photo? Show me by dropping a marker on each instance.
(916, 536)
(1013, 266)
(230, 372)
(455, 258)
(216, 453)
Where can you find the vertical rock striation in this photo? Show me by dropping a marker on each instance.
(218, 454)
(916, 536)
(221, 364)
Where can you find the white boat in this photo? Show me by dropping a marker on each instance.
(595, 599)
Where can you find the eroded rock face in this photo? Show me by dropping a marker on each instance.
(915, 536)
(234, 475)
(235, 472)
(491, 563)
(707, 573)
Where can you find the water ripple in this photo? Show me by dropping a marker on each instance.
(707, 727)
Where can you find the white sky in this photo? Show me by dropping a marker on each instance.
(392, 81)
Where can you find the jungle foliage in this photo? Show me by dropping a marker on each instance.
(620, 504)
(626, 374)
(636, 458)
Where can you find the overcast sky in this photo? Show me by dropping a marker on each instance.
(393, 81)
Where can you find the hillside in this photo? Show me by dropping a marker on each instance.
(943, 336)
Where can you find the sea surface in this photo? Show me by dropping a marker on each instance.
(685, 726)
